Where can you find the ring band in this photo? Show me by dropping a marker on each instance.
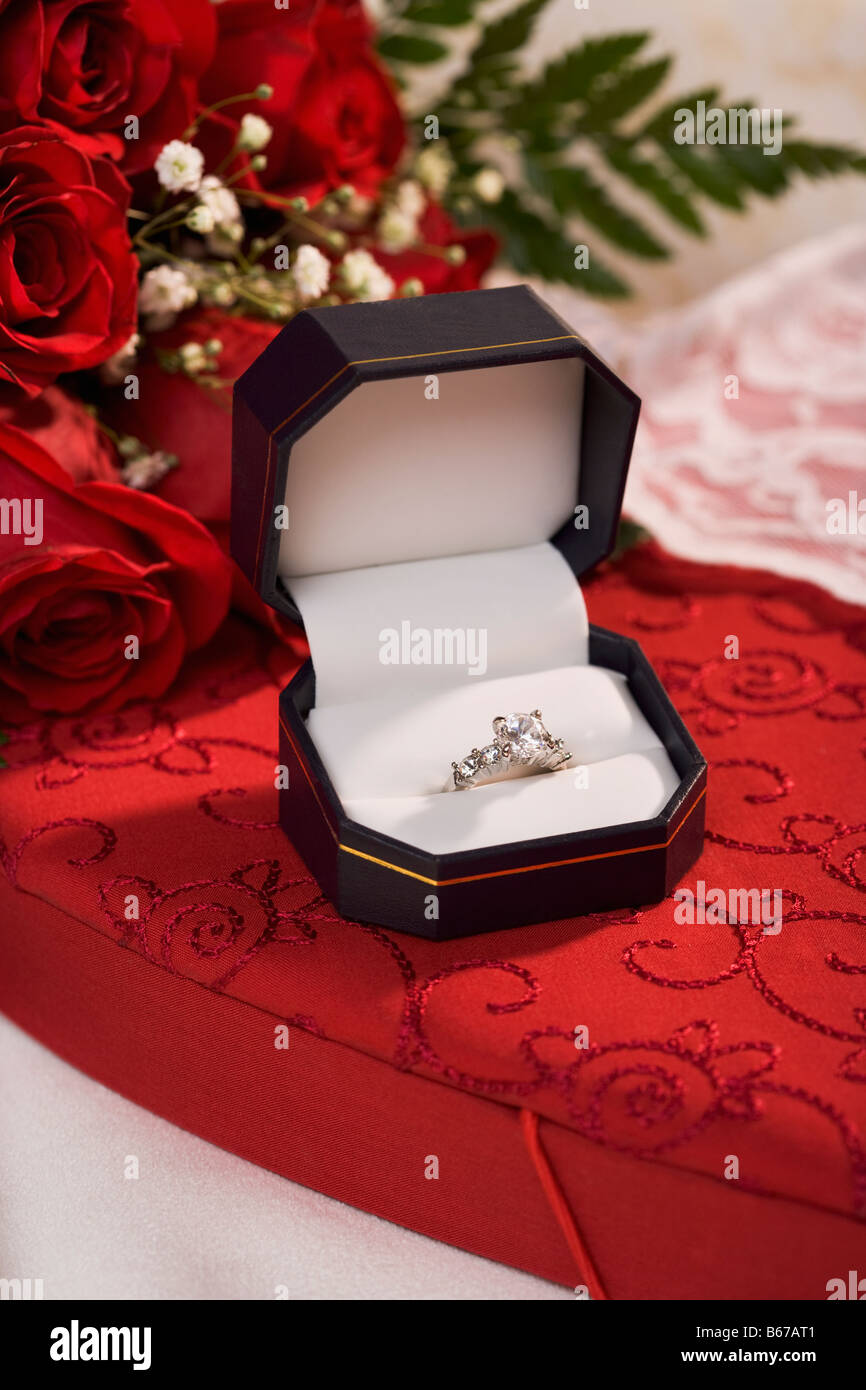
(521, 747)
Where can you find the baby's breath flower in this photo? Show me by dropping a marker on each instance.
(222, 294)
(396, 230)
(164, 292)
(221, 203)
(489, 185)
(147, 469)
(225, 240)
(359, 206)
(364, 278)
(179, 167)
(434, 167)
(193, 358)
(312, 272)
(255, 132)
(200, 219)
(410, 198)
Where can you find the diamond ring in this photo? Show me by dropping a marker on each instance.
(521, 746)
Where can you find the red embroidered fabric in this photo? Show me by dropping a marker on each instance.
(706, 1043)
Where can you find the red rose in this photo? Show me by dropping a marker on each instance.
(67, 272)
(110, 564)
(334, 114)
(436, 274)
(84, 66)
(65, 430)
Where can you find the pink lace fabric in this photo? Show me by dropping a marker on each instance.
(754, 418)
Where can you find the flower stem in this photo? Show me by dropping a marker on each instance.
(208, 111)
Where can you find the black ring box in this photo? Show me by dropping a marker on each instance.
(313, 364)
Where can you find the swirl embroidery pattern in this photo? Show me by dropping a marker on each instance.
(158, 828)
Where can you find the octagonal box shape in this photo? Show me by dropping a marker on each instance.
(313, 364)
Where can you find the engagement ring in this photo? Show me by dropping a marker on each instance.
(521, 746)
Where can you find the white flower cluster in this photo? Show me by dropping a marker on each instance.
(363, 278)
(311, 272)
(255, 133)
(434, 167)
(179, 167)
(165, 291)
(398, 225)
(211, 210)
(489, 184)
(220, 205)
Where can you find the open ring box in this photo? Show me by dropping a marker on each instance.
(422, 483)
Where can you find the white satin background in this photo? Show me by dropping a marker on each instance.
(740, 481)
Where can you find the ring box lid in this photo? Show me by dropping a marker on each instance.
(382, 475)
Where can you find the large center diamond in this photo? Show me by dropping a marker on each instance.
(525, 733)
